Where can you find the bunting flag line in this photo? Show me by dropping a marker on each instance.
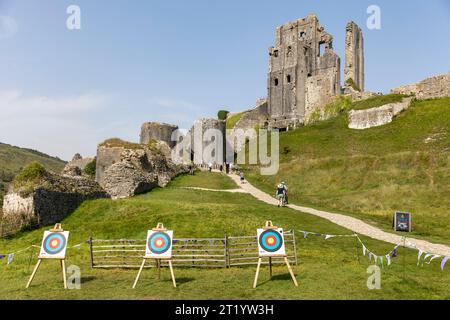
(427, 256)
(10, 256)
(444, 261)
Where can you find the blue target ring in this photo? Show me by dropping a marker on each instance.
(54, 243)
(271, 240)
(159, 243)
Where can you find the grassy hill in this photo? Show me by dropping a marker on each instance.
(327, 269)
(13, 159)
(404, 165)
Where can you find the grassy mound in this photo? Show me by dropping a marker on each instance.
(404, 165)
(327, 269)
(14, 159)
(377, 101)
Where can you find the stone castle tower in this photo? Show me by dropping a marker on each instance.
(354, 55)
(304, 71)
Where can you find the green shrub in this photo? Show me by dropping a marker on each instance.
(222, 114)
(33, 172)
(350, 82)
(89, 169)
(31, 176)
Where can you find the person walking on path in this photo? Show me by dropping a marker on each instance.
(242, 177)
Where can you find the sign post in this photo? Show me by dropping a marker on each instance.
(271, 244)
(402, 221)
(54, 246)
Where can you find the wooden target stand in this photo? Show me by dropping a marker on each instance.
(159, 227)
(57, 228)
(268, 225)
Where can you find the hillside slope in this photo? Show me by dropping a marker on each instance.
(13, 159)
(324, 265)
(371, 173)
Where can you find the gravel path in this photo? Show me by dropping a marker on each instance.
(240, 190)
(350, 223)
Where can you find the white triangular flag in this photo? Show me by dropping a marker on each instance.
(328, 237)
(418, 257)
(388, 259)
(364, 250)
(434, 257)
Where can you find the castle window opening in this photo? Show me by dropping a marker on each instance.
(322, 47)
(276, 81)
(289, 78)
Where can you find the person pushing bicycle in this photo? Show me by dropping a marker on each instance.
(281, 194)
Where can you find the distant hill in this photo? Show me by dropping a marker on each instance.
(13, 159)
(370, 174)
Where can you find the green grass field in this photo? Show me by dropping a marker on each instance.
(370, 174)
(327, 269)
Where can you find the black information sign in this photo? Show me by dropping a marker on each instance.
(402, 221)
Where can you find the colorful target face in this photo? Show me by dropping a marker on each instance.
(159, 244)
(54, 245)
(271, 242)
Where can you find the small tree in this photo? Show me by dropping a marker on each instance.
(222, 114)
(90, 168)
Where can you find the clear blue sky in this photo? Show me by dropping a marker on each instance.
(64, 91)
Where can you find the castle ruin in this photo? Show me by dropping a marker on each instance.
(354, 56)
(304, 70)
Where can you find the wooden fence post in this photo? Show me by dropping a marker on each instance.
(227, 260)
(91, 253)
(295, 247)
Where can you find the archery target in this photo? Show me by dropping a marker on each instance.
(54, 245)
(159, 244)
(271, 242)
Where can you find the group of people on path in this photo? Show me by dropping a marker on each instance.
(281, 192)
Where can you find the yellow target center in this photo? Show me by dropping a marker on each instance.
(271, 240)
(159, 243)
(54, 243)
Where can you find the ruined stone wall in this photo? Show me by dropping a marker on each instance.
(434, 87)
(374, 117)
(354, 55)
(157, 131)
(203, 140)
(124, 171)
(106, 157)
(303, 54)
(49, 204)
(245, 127)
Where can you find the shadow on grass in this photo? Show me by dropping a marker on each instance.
(87, 279)
(278, 277)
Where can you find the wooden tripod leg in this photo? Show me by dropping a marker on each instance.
(63, 266)
(172, 274)
(270, 267)
(139, 274)
(158, 267)
(290, 271)
(34, 273)
(257, 273)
